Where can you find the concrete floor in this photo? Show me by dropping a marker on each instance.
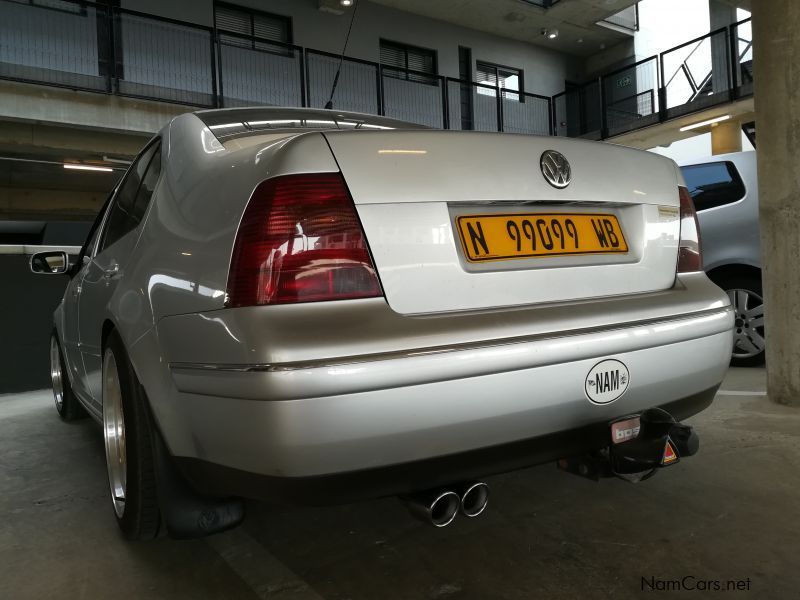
(730, 513)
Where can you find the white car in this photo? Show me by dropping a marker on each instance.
(313, 306)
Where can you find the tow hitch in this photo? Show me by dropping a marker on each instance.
(640, 445)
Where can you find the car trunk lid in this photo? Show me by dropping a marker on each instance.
(417, 192)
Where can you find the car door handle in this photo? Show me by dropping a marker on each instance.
(112, 271)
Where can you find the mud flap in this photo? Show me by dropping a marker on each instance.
(185, 513)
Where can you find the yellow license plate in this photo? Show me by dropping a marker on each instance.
(505, 237)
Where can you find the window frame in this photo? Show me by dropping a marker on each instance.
(403, 72)
(80, 12)
(112, 200)
(733, 172)
(158, 154)
(286, 46)
(504, 92)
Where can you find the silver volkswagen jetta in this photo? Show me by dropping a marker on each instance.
(312, 306)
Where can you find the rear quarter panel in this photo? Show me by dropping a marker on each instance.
(184, 253)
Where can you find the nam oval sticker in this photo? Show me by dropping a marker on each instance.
(607, 381)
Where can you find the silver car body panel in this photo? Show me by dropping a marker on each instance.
(354, 385)
(731, 232)
(408, 210)
(452, 359)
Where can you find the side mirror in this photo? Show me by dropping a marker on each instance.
(50, 263)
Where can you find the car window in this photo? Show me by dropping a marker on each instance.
(122, 218)
(713, 184)
(147, 188)
(94, 232)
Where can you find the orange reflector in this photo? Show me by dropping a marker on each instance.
(670, 456)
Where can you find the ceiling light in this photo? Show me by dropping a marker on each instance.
(400, 151)
(704, 123)
(346, 2)
(550, 34)
(87, 168)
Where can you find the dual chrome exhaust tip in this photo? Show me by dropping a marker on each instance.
(440, 507)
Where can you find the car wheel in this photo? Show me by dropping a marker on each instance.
(67, 405)
(747, 299)
(128, 432)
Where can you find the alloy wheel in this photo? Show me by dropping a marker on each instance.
(56, 375)
(748, 335)
(114, 433)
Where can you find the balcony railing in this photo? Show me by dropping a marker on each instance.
(94, 47)
(714, 69)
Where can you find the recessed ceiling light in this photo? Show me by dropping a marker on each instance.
(78, 167)
(346, 2)
(704, 123)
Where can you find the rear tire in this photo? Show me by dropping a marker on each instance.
(67, 405)
(747, 299)
(128, 435)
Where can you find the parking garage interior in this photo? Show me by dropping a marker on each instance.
(85, 85)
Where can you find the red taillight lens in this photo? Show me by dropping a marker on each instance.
(300, 240)
(690, 256)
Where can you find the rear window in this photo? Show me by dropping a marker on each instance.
(713, 184)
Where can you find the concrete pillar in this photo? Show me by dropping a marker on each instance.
(776, 42)
(726, 137)
(720, 15)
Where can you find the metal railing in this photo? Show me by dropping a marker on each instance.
(713, 69)
(742, 53)
(252, 72)
(163, 59)
(697, 74)
(55, 47)
(128, 53)
(94, 47)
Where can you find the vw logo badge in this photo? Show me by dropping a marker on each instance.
(556, 169)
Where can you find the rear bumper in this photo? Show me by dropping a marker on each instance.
(370, 373)
(272, 401)
(317, 419)
(218, 480)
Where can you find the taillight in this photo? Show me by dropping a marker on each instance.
(300, 240)
(690, 256)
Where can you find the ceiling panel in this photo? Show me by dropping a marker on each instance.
(516, 19)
